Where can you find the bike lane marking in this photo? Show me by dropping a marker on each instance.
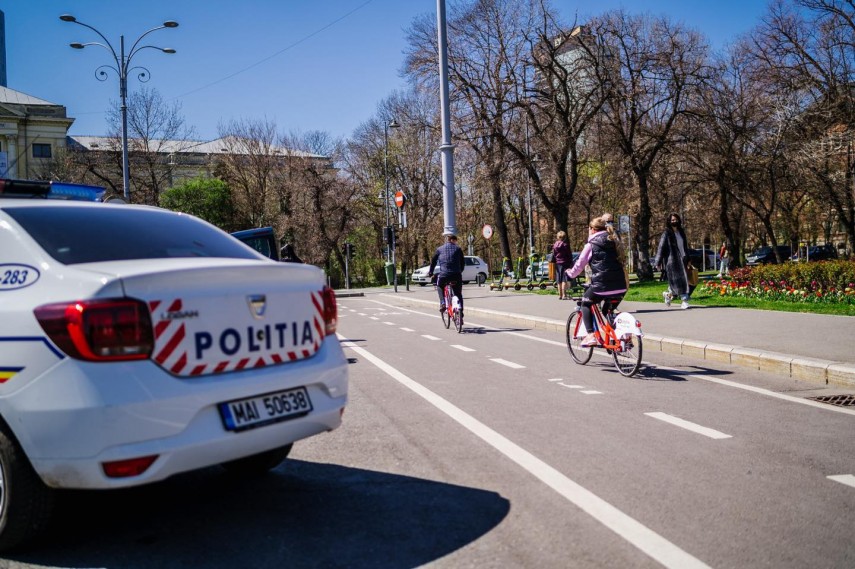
(847, 479)
(631, 530)
(462, 348)
(689, 426)
(511, 365)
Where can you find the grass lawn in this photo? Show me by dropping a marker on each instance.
(652, 292)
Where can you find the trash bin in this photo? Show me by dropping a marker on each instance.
(390, 273)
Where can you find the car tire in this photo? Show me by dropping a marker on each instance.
(481, 278)
(466, 282)
(422, 284)
(257, 464)
(26, 503)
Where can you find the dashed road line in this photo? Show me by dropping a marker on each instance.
(374, 318)
(847, 479)
(389, 323)
(511, 365)
(634, 532)
(429, 337)
(462, 348)
(407, 329)
(572, 386)
(695, 428)
(591, 392)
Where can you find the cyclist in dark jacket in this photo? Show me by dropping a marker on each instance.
(608, 279)
(447, 263)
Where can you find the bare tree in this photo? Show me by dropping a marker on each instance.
(252, 166)
(657, 70)
(808, 47)
(156, 132)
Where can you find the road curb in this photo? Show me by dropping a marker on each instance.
(825, 372)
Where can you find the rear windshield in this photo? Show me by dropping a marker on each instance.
(73, 235)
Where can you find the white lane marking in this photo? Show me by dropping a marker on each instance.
(766, 392)
(429, 337)
(572, 386)
(847, 479)
(591, 392)
(462, 348)
(556, 379)
(407, 329)
(718, 380)
(373, 318)
(694, 427)
(362, 314)
(511, 365)
(637, 534)
(389, 323)
(352, 310)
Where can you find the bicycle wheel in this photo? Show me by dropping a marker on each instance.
(446, 319)
(574, 345)
(628, 358)
(458, 321)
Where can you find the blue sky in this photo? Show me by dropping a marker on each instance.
(307, 65)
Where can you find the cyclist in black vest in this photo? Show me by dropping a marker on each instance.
(608, 279)
(447, 263)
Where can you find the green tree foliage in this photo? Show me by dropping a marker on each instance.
(207, 198)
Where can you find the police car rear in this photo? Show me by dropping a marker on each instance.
(138, 343)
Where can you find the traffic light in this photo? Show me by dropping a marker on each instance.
(389, 236)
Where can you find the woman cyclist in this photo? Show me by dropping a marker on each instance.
(608, 279)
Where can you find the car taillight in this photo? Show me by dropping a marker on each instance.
(99, 330)
(330, 311)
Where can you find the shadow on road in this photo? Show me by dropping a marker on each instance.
(302, 514)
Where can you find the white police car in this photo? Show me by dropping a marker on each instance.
(137, 343)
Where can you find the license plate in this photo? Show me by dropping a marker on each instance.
(265, 409)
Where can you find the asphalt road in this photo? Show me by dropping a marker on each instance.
(491, 448)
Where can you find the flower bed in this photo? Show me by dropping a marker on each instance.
(822, 282)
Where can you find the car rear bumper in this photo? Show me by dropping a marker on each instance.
(112, 412)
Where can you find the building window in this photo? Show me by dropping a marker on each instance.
(41, 151)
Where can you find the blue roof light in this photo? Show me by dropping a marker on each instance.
(51, 190)
(63, 190)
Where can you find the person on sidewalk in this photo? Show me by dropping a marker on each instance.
(724, 255)
(608, 280)
(448, 263)
(561, 256)
(671, 258)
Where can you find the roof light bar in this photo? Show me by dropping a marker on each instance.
(50, 190)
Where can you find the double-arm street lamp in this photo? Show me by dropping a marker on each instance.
(122, 68)
(387, 231)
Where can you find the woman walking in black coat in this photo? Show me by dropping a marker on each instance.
(672, 258)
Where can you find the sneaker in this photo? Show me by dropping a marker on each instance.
(589, 341)
(667, 297)
(684, 305)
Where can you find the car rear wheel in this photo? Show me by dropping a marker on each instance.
(257, 464)
(26, 504)
(481, 278)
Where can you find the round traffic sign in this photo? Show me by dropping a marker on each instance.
(487, 231)
(400, 199)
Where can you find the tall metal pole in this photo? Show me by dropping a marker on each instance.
(386, 186)
(122, 68)
(446, 149)
(123, 92)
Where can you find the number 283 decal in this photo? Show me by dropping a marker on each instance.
(13, 276)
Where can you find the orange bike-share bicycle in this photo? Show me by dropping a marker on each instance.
(452, 311)
(618, 332)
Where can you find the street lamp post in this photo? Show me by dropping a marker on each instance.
(386, 126)
(122, 68)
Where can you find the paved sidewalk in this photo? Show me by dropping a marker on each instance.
(811, 347)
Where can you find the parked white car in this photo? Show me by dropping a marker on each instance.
(138, 343)
(475, 269)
